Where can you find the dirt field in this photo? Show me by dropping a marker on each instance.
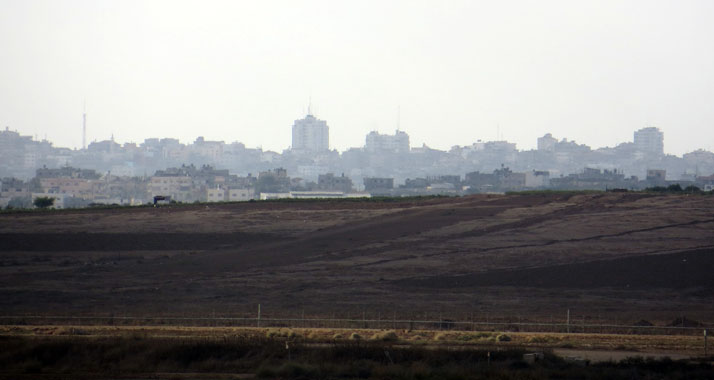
(608, 257)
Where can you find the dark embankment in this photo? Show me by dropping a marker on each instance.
(140, 357)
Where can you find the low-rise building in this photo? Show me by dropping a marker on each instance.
(180, 188)
(537, 179)
(221, 194)
(77, 187)
(378, 185)
(334, 183)
(313, 194)
(240, 195)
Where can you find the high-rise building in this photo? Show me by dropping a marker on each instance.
(547, 143)
(398, 143)
(649, 141)
(310, 134)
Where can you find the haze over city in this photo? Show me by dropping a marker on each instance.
(446, 73)
(321, 189)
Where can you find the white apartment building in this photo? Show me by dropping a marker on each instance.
(229, 195)
(649, 141)
(310, 135)
(178, 187)
(397, 143)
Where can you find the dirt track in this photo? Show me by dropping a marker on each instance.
(534, 255)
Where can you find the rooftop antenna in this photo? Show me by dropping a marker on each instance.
(399, 116)
(309, 106)
(84, 126)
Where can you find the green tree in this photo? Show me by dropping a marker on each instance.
(43, 202)
(692, 189)
(676, 188)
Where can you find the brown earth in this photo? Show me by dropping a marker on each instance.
(598, 346)
(605, 256)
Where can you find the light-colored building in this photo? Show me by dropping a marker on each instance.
(397, 143)
(311, 172)
(77, 187)
(208, 149)
(240, 195)
(179, 188)
(649, 141)
(310, 135)
(14, 188)
(537, 179)
(215, 195)
(313, 194)
(547, 143)
(220, 194)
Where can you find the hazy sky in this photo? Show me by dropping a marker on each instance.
(590, 71)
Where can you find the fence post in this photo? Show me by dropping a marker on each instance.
(568, 323)
(258, 315)
(705, 342)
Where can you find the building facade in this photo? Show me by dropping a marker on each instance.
(397, 143)
(649, 141)
(311, 135)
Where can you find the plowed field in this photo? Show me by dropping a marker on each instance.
(605, 256)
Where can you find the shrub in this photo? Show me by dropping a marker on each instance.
(355, 336)
(71, 331)
(441, 336)
(385, 336)
(476, 336)
(43, 202)
(503, 338)
(539, 339)
(692, 189)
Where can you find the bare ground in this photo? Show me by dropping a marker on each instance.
(606, 256)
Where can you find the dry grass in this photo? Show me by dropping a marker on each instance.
(645, 343)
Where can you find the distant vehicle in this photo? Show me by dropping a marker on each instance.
(161, 199)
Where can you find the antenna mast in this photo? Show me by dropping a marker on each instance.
(84, 126)
(399, 116)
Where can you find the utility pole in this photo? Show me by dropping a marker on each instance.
(568, 322)
(705, 342)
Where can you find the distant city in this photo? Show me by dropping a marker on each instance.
(106, 172)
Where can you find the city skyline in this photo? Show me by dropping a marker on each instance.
(452, 72)
(368, 138)
(363, 144)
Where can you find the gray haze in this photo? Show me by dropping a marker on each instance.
(244, 71)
